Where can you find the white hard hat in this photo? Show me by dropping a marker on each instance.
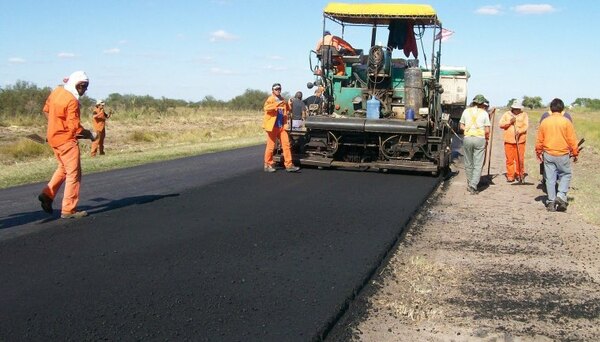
(99, 102)
(516, 105)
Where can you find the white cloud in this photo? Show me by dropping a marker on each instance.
(274, 68)
(489, 10)
(16, 60)
(221, 71)
(222, 35)
(275, 58)
(534, 9)
(112, 51)
(65, 55)
(123, 42)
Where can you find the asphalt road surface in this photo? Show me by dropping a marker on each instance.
(208, 248)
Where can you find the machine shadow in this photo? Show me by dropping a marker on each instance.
(105, 205)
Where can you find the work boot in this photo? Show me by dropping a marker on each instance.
(75, 215)
(46, 202)
(561, 204)
(472, 190)
(292, 169)
(269, 168)
(551, 206)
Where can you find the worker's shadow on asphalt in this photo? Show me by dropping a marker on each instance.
(105, 204)
(24, 218)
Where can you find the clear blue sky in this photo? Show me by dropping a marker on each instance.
(192, 49)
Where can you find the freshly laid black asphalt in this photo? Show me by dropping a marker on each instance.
(205, 248)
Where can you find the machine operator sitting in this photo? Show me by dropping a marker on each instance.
(334, 46)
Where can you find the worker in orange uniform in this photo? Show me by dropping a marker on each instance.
(515, 124)
(276, 116)
(99, 120)
(331, 48)
(62, 109)
(555, 144)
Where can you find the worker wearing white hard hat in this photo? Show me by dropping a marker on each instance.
(515, 124)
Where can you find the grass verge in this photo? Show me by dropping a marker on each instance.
(41, 169)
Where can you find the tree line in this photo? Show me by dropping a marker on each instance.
(27, 99)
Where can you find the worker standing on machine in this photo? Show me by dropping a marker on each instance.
(515, 124)
(475, 122)
(330, 48)
(276, 116)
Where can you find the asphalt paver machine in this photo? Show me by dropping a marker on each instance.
(378, 110)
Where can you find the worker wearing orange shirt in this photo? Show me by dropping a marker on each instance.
(99, 120)
(62, 109)
(276, 116)
(515, 124)
(555, 144)
(333, 47)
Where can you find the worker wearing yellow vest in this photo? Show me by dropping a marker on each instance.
(475, 122)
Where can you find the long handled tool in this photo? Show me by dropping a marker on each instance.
(491, 142)
(521, 176)
(41, 140)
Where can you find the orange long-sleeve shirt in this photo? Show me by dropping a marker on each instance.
(556, 136)
(99, 119)
(270, 108)
(62, 109)
(521, 125)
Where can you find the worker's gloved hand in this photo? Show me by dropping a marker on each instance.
(87, 134)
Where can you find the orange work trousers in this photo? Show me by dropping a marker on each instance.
(282, 135)
(515, 163)
(68, 172)
(98, 144)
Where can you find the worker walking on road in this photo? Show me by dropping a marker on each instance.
(276, 116)
(555, 144)
(545, 115)
(475, 122)
(99, 120)
(515, 124)
(62, 109)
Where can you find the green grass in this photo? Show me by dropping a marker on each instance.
(41, 169)
(23, 150)
(133, 138)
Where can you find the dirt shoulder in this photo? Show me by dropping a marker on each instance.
(489, 267)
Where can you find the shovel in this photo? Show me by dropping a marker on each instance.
(521, 182)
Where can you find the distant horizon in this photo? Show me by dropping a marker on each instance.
(285, 94)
